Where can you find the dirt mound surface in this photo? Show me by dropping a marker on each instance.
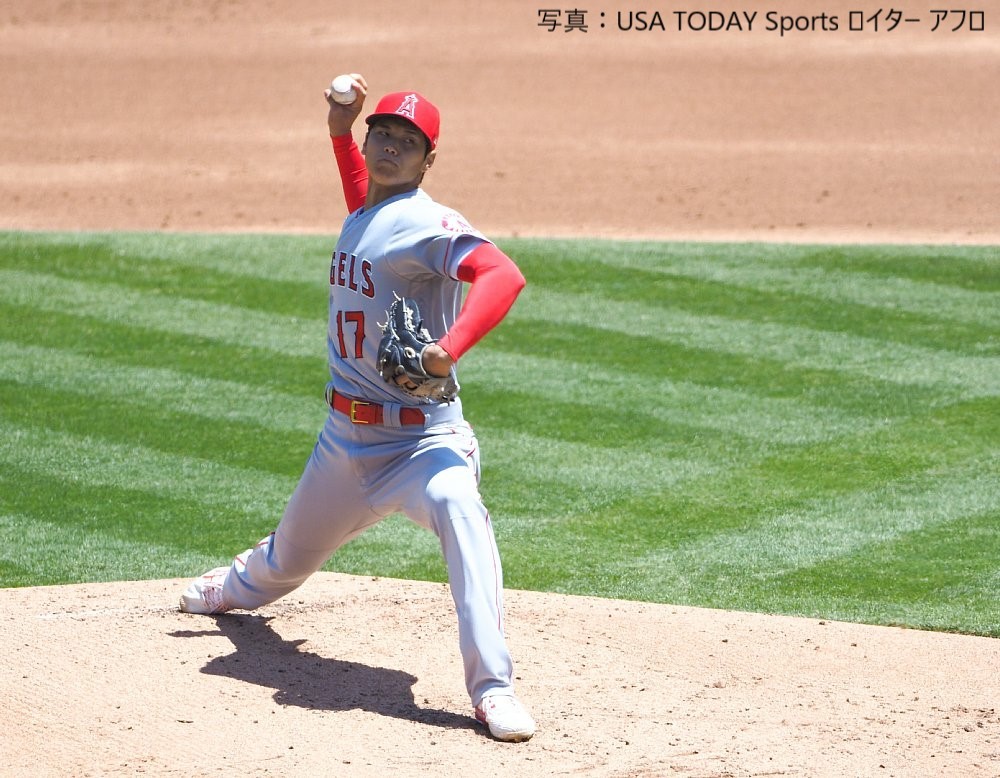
(362, 677)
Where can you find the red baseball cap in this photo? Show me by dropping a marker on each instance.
(413, 107)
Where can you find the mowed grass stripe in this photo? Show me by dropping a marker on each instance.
(820, 531)
(131, 515)
(302, 257)
(943, 576)
(197, 356)
(93, 461)
(667, 272)
(797, 346)
(588, 475)
(964, 267)
(926, 303)
(102, 264)
(616, 431)
(700, 297)
(292, 335)
(140, 423)
(661, 401)
(159, 389)
(48, 553)
(752, 491)
(649, 359)
(283, 258)
(960, 267)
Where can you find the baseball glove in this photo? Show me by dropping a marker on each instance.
(400, 354)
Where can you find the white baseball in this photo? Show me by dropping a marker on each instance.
(342, 90)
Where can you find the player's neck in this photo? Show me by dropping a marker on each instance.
(378, 193)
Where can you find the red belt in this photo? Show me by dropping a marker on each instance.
(364, 412)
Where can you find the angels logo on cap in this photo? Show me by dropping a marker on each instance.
(408, 107)
(413, 107)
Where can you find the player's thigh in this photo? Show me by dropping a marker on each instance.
(446, 472)
(328, 507)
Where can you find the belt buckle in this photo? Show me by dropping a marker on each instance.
(354, 410)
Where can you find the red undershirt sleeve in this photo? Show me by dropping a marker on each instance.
(496, 283)
(353, 173)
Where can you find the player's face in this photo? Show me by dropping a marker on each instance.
(396, 153)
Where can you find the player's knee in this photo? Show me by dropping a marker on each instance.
(276, 564)
(451, 492)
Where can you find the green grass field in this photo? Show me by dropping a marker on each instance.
(809, 430)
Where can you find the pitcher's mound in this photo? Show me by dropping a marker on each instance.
(361, 677)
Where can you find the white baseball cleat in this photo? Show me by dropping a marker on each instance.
(204, 595)
(506, 718)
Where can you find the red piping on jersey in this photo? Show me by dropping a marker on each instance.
(497, 589)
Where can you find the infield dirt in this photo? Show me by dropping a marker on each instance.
(192, 116)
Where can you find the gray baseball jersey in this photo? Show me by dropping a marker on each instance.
(360, 473)
(408, 246)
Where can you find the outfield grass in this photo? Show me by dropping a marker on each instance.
(811, 430)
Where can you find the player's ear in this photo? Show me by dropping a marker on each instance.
(429, 159)
(364, 143)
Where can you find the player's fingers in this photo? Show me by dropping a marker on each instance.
(361, 87)
(360, 81)
(403, 382)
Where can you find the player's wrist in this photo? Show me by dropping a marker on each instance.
(436, 361)
(447, 344)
